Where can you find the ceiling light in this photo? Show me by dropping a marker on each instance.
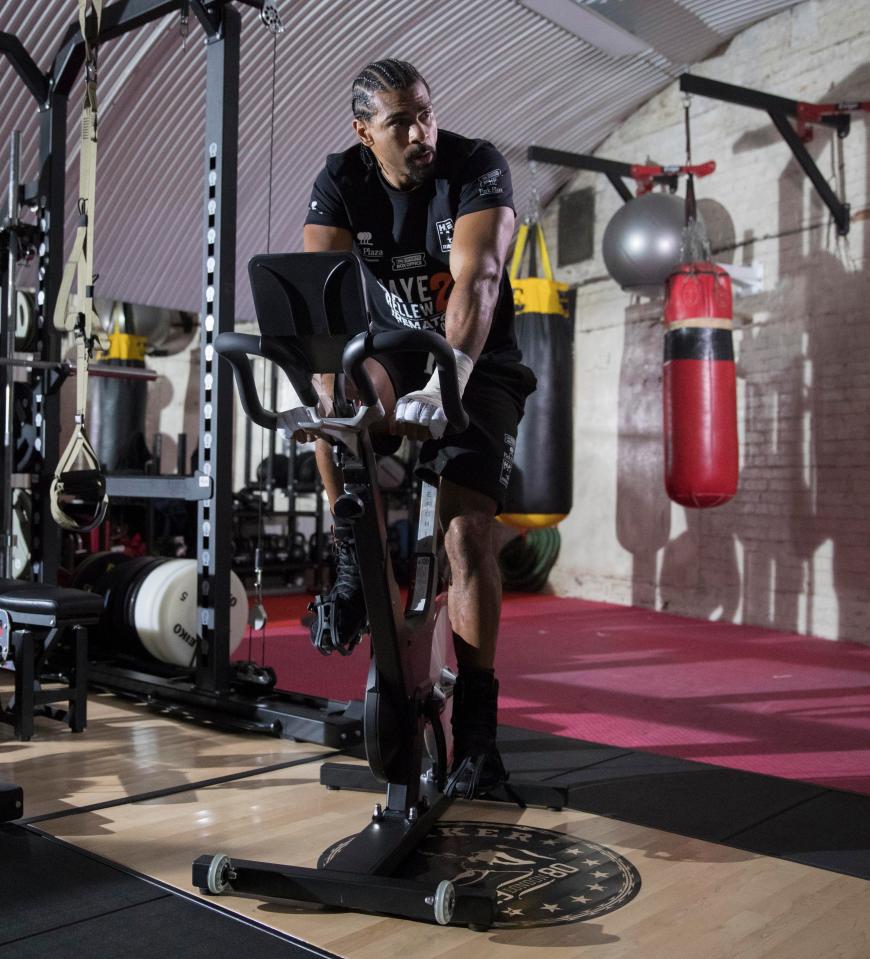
(589, 26)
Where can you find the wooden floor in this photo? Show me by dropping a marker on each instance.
(697, 899)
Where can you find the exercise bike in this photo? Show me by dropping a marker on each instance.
(317, 303)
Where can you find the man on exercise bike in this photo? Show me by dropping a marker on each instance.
(429, 214)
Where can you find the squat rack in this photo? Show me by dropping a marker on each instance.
(213, 694)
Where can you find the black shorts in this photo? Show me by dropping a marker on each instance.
(480, 458)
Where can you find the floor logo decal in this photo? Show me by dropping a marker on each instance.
(540, 877)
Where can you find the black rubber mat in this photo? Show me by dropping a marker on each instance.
(48, 884)
(55, 896)
(541, 756)
(831, 831)
(804, 822)
(692, 799)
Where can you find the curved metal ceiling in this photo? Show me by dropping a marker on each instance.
(497, 69)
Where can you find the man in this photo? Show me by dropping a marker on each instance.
(430, 216)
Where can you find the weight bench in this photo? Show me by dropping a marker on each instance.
(33, 617)
(11, 802)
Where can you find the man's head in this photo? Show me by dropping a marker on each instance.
(393, 117)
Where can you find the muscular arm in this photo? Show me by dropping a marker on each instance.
(477, 257)
(323, 239)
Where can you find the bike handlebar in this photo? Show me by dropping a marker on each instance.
(366, 345)
(237, 348)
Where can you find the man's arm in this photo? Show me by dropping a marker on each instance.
(477, 255)
(477, 258)
(323, 239)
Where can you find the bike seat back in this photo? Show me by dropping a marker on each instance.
(312, 303)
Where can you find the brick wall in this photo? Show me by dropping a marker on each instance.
(792, 550)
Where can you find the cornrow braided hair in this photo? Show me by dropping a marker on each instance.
(387, 74)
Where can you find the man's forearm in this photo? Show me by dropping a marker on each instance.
(469, 313)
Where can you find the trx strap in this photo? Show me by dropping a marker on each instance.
(78, 497)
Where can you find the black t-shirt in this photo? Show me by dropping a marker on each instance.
(403, 237)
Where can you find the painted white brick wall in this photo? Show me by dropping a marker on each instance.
(792, 550)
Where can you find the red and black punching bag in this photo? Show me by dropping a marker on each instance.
(700, 387)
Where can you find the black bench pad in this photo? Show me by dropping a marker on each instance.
(11, 802)
(39, 599)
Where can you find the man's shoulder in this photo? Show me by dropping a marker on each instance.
(349, 164)
(461, 154)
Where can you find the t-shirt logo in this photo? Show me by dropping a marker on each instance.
(411, 261)
(507, 461)
(490, 183)
(445, 234)
(364, 239)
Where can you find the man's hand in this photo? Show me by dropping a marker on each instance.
(290, 423)
(420, 414)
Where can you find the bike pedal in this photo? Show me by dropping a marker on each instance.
(322, 626)
(324, 634)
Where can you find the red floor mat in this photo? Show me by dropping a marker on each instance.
(736, 696)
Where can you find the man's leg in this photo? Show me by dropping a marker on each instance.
(474, 597)
(474, 603)
(341, 614)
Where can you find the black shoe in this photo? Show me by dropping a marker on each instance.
(340, 616)
(477, 765)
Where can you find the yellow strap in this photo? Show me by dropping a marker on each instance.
(542, 251)
(520, 249)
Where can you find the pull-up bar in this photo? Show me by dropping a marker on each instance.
(645, 174)
(779, 109)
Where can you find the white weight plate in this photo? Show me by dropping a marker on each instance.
(165, 614)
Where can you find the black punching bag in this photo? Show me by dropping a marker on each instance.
(541, 486)
(116, 411)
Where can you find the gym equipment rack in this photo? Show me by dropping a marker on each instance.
(211, 692)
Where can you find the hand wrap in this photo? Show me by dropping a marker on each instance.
(425, 407)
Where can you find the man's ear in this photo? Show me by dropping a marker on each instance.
(362, 131)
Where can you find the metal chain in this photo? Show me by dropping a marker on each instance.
(534, 214)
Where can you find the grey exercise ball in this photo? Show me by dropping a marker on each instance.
(642, 241)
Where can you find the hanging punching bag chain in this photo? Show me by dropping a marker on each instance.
(534, 213)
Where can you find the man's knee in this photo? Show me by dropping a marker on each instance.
(468, 529)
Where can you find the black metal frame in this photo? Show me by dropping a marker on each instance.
(779, 109)
(213, 693)
(612, 169)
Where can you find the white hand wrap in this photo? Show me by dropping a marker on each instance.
(425, 407)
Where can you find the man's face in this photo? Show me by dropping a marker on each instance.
(402, 135)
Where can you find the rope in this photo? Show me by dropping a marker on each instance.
(526, 561)
(258, 618)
